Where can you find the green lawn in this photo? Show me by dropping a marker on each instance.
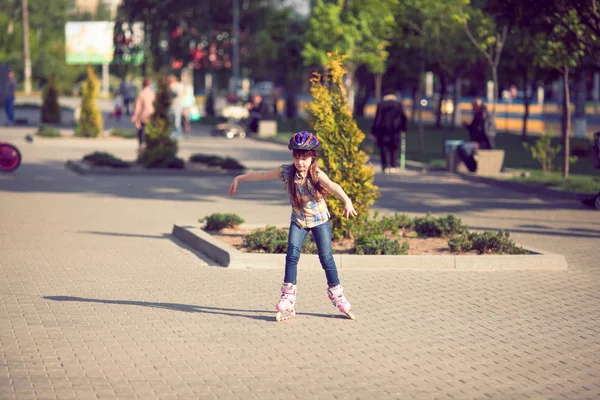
(575, 182)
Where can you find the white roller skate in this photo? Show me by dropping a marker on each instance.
(285, 306)
(339, 301)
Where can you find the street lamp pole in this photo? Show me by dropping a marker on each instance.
(27, 58)
(236, 44)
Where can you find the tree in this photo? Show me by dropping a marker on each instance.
(491, 37)
(90, 119)
(342, 158)
(360, 29)
(161, 149)
(50, 107)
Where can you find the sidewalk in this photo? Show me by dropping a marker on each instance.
(97, 300)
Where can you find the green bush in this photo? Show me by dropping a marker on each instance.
(378, 244)
(374, 225)
(218, 221)
(47, 131)
(489, 242)
(447, 226)
(274, 240)
(124, 133)
(269, 240)
(216, 161)
(102, 159)
(161, 157)
(161, 149)
(50, 108)
(90, 120)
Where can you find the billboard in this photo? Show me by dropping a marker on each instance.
(92, 42)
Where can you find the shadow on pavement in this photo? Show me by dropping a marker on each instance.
(231, 312)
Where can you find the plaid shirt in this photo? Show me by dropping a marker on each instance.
(315, 210)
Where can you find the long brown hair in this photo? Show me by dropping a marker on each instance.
(320, 191)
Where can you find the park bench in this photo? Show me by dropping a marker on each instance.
(267, 128)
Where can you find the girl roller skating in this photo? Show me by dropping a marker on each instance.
(307, 187)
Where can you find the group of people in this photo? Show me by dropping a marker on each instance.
(390, 122)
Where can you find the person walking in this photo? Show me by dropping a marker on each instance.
(144, 108)
(307, 187)
(9, 98)
(387, 128)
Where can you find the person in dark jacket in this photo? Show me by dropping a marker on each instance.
(388, 125)
(478, 138)
(259, 110)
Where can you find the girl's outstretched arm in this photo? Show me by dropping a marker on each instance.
(337, 190)
(253, 176)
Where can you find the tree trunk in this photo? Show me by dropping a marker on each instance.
(492, 125)
(526, 101)
(438, 112)
(566, 121)
(420, 108)
(378, 82)
(349, 82)
(456, 100)
(413, 113)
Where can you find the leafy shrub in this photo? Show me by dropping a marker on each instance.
(274, 240)
(543, 151)
(378, 244)
(124, 133)
(269, 240)
(161, 149)
(341, 156)
(216, 161)
(50, 108)
(374, 225)
(447, 226)
(161, 157)
(489, 242)
(47, 131)
(102, 159)
(90, 118)
(218, 221)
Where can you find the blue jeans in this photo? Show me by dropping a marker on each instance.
(322, 235)
(9, 108)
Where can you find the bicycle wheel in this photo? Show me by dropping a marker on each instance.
(10, 157)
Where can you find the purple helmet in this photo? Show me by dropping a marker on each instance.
(304, 141)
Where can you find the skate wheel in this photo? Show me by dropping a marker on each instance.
(283, 315)
(350, 315)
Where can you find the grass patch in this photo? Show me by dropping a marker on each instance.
(47, 131)
(575, 182)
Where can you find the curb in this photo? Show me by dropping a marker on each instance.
(85, 169)
(228, 256)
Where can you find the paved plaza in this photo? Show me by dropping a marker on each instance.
(98, 300)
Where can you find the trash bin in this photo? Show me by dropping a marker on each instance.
(450, 149)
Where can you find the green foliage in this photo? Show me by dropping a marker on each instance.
(269, 240)
(489, 242)
(543, 151)
(161, 149)
(216, 161)
(378, 244)
(341, 157)
(90, 120)
(47, 131)
(378, 226)
(275, 240)
(50, 108)
(103, 159)
(447, 226)
(124, 133)
(218, 221)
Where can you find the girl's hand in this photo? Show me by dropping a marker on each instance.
(349, 210)
(233, 187)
